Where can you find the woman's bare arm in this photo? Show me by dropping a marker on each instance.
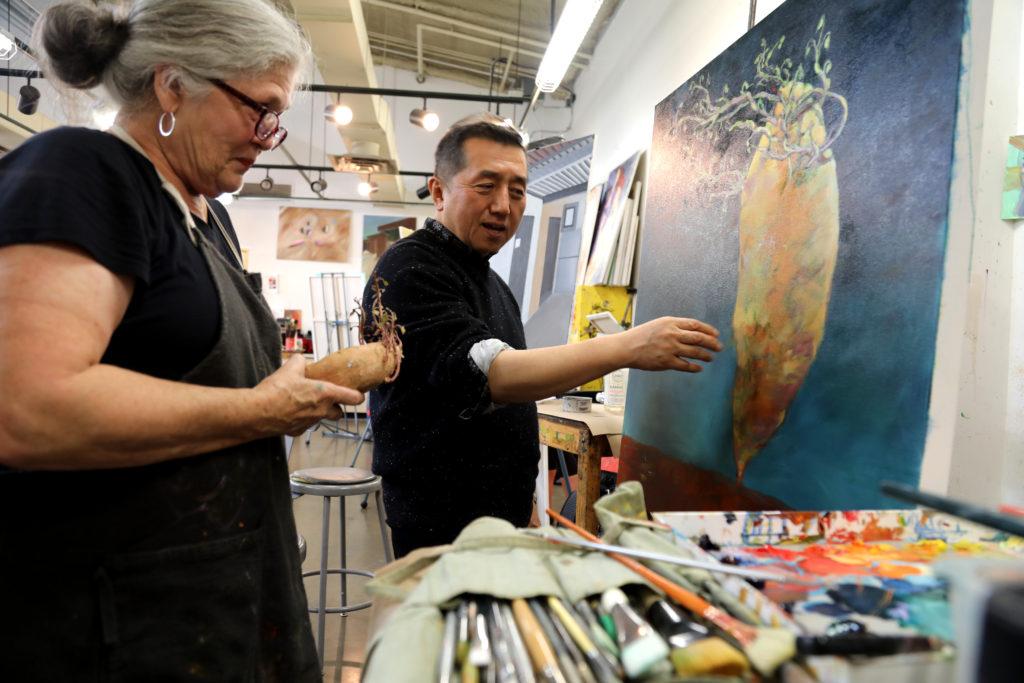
(63, 409)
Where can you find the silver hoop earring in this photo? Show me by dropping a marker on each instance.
(160, 124)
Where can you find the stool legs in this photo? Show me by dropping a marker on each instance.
(344, 565)
(322, 611)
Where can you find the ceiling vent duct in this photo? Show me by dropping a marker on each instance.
(364, 157)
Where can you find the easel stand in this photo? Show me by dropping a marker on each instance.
(336, 326)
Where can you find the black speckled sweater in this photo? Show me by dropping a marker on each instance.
(446, 454)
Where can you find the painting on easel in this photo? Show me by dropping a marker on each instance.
(789, 207)
(1013, 181)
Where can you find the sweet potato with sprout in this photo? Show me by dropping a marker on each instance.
(370, 364)
(360, 367)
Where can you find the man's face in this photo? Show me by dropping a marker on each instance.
(484, 202)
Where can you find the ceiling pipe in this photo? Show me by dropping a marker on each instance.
(409, 53)
(420, 28)
(330, 169)
(348, 89)
(433, 12)
(417, 94)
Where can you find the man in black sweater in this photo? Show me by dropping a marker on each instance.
(455, 436)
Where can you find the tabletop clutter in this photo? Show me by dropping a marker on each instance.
(505, 604)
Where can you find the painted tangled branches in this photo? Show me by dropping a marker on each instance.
(772, 110)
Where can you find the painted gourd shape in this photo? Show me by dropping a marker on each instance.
(788, 228)
(789, 239)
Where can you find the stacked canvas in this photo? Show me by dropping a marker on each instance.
(613, 247)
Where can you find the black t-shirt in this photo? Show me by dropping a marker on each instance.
(89, 189)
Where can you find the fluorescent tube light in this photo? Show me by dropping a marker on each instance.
(572, 27)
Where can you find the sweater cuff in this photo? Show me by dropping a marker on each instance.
(484, 352)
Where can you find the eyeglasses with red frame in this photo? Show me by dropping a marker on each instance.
(268, 126)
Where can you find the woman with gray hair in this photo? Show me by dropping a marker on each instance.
(146, 527)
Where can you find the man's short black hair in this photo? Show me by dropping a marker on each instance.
(449, 158)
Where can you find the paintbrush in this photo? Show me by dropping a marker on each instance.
(760, 575)
(766, 648)
(866, 644)
(598, 664)
(515, 641)
(541, 654)
(504, 660)
(565, 660)
(601, 638)
(479, 646)
(959, 508)
(462, 634)
(558, 628)
(446, 664)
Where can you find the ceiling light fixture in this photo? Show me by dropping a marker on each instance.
(8, 47)
(340, 114)
(424, 118)
(423, 192)
(366, 187)
(318, 185)
(572, 27)
(28, 98)
(267, 184)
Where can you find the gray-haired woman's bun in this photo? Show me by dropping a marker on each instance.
(80, 41)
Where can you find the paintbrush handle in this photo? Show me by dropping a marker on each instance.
(959, 508)
(743, 633)
(686, 562)
(544, 661)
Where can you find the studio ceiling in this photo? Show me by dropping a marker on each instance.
(493, 45)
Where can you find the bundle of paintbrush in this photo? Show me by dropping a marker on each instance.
(609, 638)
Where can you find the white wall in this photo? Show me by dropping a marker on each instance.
(975, 447)
(256, 223)
(1013, 468)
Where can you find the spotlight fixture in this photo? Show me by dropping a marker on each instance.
(571, 29)
(8, 47)
(340, 114)
(267, 184)
(424, 118)
(28, 100)
(366, 187)
(318, 185)
(423, 192)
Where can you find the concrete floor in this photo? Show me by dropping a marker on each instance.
(346, 637)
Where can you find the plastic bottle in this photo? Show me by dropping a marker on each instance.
(615, 390)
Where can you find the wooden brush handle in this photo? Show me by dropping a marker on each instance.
(543, 656)
(696, 604)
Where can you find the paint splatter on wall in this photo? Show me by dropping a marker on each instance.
(790, 206)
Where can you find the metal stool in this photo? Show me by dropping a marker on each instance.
(337, 482)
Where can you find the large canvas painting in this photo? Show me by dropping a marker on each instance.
(313, 234)
(799, 192)
(1013, 182)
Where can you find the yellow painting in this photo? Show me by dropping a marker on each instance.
(592, 299)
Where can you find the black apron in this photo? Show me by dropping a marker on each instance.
(182, 570)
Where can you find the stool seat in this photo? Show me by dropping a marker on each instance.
(333, 475)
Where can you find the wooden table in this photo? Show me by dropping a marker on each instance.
(587, 435)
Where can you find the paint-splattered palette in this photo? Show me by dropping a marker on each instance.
(879, 569)
(878, 562)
